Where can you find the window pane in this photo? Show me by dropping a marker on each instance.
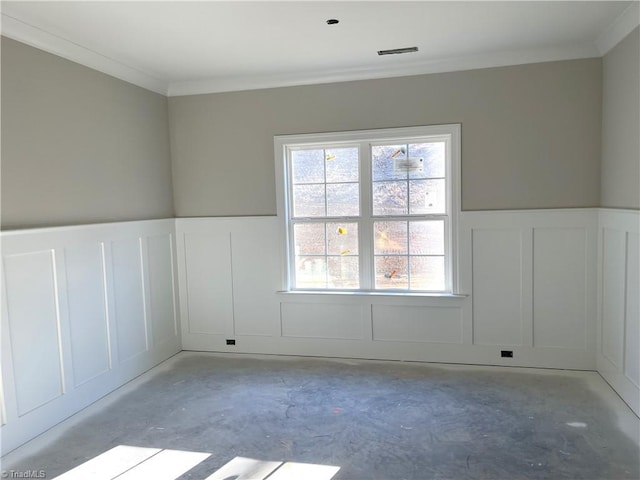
(382, 161)
(311, 272)
(390, 237)
(342, 239)
(343, 199)
(426, 237)
(308, 201)
(309, 239)
(307, 166)
(433, 155)
(427, 196)
(427, 273)
(390, 198)
(391, 272)
(342, 165)
(343, 272)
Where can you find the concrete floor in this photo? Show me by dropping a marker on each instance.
(376, 420)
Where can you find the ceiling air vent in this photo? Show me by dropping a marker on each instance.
(396, 51)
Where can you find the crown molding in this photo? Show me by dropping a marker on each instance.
(41, 39)
(622, 26)
(38, 38)
(502, 59)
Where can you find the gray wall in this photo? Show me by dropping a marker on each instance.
(621, 125)
(79, 146)
(531, 134)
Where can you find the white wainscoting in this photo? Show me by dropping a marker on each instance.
(618, 345)
(229, 271)
(532, 276)
(85, 309)
(527, 283)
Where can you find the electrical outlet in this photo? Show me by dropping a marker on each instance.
(231, 341)
(506, 353)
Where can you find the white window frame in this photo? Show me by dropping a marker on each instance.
(450, 133)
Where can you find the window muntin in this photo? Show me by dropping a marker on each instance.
(370, 212)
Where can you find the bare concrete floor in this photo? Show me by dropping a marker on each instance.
(376, 420)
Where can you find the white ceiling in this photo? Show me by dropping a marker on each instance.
(180, 47)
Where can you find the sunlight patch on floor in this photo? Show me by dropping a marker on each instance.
(139, 463)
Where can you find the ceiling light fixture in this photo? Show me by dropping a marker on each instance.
(396, 51)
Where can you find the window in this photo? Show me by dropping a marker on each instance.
(369, 210)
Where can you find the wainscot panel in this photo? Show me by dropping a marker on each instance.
(228, 273)
(618, 360)
(417, 324)
(497, 286)
(34, 329)
(632, 314)
(534, 280)
(205, 263)
(128, 298)
(160, 279)
(89, 330)
(560, 294)
(613, 290)
(80, 305)
(322, 320)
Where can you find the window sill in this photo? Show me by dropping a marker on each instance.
(371, 298)
(374, 294)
